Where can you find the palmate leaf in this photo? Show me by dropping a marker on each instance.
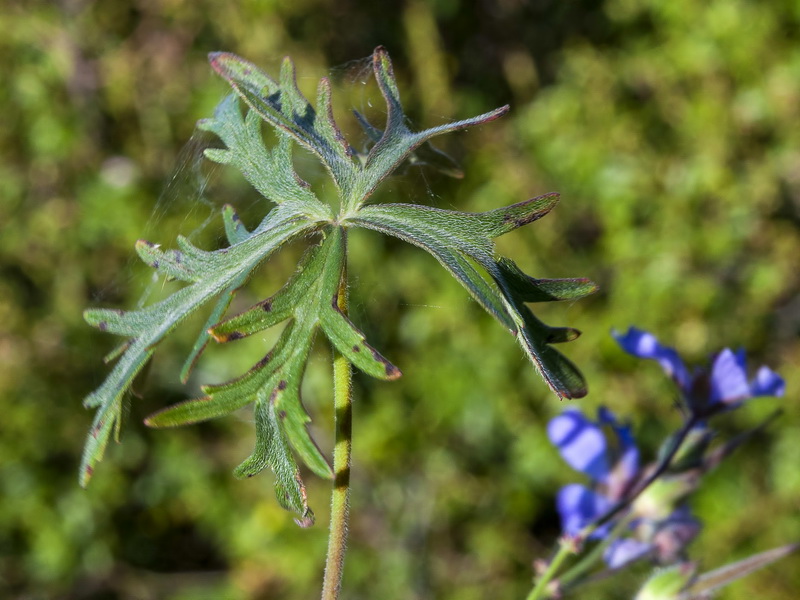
(462, 242)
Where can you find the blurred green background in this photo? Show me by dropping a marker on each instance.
(671, 130)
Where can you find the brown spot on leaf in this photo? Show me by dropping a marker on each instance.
(282, 415)
(89, 471)
(154, 264)
(356, 349)
(392, 372)
(262, 362)
(267, 305)
(233, 335)
(102, 326)
(282, 384)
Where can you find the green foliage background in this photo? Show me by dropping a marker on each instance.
(671, 130)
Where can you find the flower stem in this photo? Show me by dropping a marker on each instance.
(593, 557)
(637, 491)
(565, 548)
(340, 496)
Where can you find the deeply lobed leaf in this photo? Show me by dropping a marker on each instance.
(461, 242)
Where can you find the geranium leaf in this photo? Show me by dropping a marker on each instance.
(462, 242)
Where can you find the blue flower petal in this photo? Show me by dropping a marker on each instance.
(578, 506)
(767, 383)
(645, 345)
(729, 378)
(581, 443)
(623, 551)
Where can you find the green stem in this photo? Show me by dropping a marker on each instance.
(340, 496)
(565, 548)
(593, 557)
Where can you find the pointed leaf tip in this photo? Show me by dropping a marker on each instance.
(381, 55)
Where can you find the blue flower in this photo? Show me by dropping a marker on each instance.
(725, 386)
(607, 453)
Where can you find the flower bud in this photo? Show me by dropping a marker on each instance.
(659, 500)
(667, 584)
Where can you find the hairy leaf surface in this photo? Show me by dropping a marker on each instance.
(461, 242)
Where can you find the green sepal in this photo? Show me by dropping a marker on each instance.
(667, 583)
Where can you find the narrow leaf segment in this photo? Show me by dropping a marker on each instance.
(462, 243)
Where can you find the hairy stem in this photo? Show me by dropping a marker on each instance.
(340, 496)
